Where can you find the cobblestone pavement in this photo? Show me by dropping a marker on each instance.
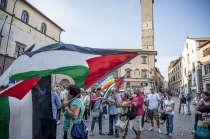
(183, 126)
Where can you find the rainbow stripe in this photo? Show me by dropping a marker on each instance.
(106, 82)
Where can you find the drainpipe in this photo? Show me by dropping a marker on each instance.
(9, 34)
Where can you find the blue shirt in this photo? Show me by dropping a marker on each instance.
(56, 103)
(113, 110)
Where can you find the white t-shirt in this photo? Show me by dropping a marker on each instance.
(153, 100)
(65, 93)
(168, 106)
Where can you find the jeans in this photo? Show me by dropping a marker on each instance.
(188, 107)
(85, 114)
(169, 123)
(142, 120)
(196, 121)
(183, 108)
(111, 119)
(65, 135)
(99, 122)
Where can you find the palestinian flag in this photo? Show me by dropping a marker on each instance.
(116, 85)
(85, 65)
(106, 82)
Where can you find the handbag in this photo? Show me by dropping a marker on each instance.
(79, 131)
(96, 112)
(202, 131)
(121, 125)
(163, 116)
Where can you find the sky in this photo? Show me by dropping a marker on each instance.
(117, 24)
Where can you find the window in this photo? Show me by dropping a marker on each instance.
(188, 59)
(43, 28)
(19, 49)
(24, 17)
(128, 73)
(144, 59)
(185, 72)
(116, 74)
(136, 72)
(207, 68)
(3, 4)
(128, 83)
(187, 45)
(144, 73)
(193, 66)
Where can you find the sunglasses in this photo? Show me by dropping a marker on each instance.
(151, 89)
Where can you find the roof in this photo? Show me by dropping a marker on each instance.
(27, 3)
(132, 50)
(204, 38)
(204, 44)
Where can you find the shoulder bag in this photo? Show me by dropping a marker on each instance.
(96, 112)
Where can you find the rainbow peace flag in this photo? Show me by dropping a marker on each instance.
(106, 82)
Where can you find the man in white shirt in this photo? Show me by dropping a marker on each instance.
(153, 105)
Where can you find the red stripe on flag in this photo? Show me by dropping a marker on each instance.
(119, 82)
(20, 89)
(103, 65)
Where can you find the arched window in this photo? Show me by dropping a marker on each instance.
(43, 28)
(25, 16)
(143, 73)
(3, 4)
(136, 72)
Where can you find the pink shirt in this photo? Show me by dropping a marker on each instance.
(140, 101)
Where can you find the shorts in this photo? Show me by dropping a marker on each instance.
(153, 113)
(136, 123)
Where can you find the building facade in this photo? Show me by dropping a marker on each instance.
(24, 25)
(175, 76)
(203, 61)
(190, 66)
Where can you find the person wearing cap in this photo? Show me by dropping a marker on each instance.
(98, 102)
(197, 99)
(153, 106)
(124, 107)
(113, 111)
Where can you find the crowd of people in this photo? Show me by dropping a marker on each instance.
(77, 105)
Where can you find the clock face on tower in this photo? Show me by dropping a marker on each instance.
(147, 25)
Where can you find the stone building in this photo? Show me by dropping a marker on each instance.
(203, 61)
(24, 26)
(190, 66)
(175, 76)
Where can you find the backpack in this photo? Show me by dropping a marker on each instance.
(132, 113)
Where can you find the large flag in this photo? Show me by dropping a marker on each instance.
(84, 65)
(106, 82)
(116, 85)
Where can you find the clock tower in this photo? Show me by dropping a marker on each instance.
(147, 25)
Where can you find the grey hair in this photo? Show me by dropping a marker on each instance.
(126, 94)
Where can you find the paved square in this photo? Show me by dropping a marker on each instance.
(183, 126)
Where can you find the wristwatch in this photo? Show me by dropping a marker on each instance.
(66, 108)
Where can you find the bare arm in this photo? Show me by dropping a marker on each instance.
(198, 108)
(73, 112)
(124, 105)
